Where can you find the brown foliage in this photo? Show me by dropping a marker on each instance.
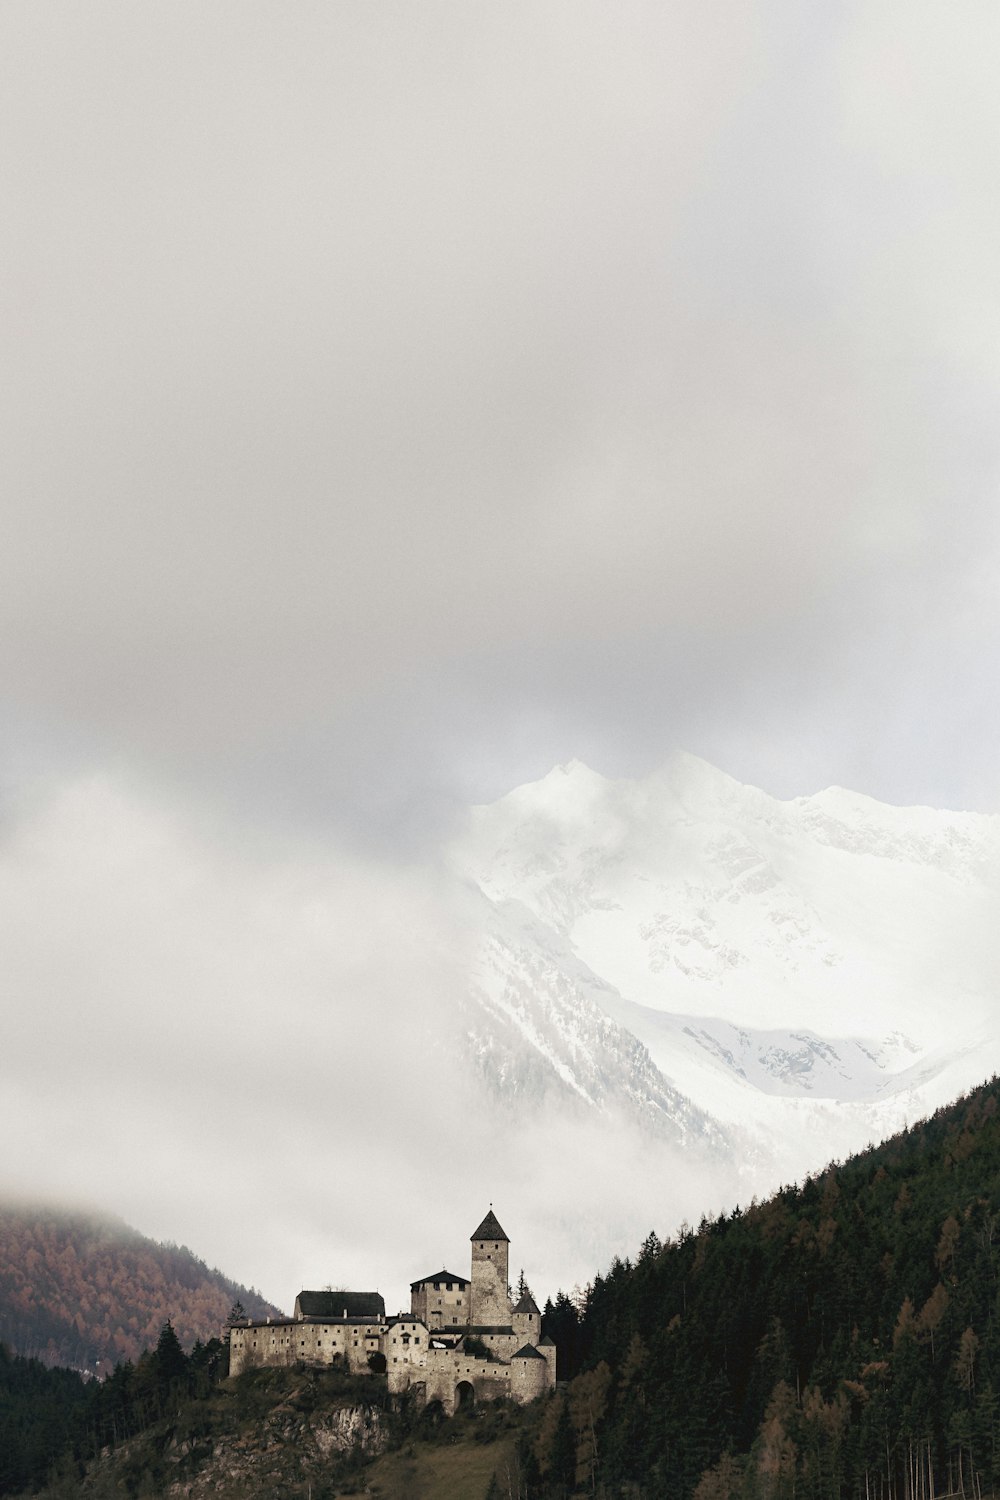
(88, 1292)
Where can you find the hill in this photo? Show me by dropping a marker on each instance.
(840, 1339)
(290, 1432)
(86, 1291)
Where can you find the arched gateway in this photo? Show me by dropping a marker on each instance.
(464, 1394)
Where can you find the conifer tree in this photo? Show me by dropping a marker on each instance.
(169, 1364)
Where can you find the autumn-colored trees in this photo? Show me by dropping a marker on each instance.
(87, 1292)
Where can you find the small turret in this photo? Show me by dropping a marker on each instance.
(527, 1320)
(529, 1373)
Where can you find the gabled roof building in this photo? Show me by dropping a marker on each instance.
(331, 1304)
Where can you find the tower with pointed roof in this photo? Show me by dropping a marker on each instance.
(460, 1341)
(489, 1299)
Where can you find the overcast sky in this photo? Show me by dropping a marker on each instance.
(399, 399)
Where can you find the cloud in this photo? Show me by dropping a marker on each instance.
(189, 1025)
(361, 354)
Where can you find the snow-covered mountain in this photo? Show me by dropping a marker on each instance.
(779, 981)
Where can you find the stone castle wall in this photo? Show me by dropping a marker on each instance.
(527, 1326)
(528, 1378)
(440, 1307)
(403, 1346)
(314, 1343)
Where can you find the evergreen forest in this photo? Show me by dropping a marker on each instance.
(840, 1339)
(51, 1420)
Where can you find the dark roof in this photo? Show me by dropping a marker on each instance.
(526, 1304)
(438, 1276)
(325, 1318)
(489, 1229)
(546, 1341)
(406, 1318)
(527, 1353)
(341, 1304)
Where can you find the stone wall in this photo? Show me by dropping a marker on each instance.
(406, 1342)
(500, 1342)
(490, 1302)
(446, 1370)
(527, 1326)
(441, 1304)
(529, 1376)
(313, 1342)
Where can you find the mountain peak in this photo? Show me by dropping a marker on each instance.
(575, 769)
(563, 794)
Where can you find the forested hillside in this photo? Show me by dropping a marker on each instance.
(87, 1292)
(841, 1339)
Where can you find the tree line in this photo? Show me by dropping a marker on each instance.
(47, 1415)
(840, 1340)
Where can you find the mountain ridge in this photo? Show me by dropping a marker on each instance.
(825, 951)
(85, 1290)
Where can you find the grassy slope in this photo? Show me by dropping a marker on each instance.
(425, 1471)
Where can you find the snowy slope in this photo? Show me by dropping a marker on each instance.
(755, 975)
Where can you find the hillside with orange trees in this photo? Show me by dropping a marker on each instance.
(87, 1291)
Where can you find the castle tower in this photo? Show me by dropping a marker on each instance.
(490, 1304)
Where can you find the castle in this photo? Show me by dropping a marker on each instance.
(460, 1342)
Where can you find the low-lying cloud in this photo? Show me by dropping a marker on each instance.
(266, 1059)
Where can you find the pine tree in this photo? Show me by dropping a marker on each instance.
(169, 1364)
(562, 1463)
